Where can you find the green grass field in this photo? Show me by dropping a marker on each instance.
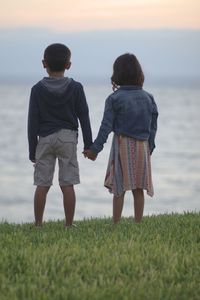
(157, 259)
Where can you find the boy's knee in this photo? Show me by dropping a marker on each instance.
(66, 187)
(43, 188)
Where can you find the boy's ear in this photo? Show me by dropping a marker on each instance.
(68, 65)
(44, 64)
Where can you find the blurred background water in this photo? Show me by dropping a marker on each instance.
(175, 162)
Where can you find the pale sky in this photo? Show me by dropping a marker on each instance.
(79, 15)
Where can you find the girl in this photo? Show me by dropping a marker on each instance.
(131, 113)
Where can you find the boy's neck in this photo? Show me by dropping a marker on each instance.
(56, 74)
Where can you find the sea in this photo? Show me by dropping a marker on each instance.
(175, 161)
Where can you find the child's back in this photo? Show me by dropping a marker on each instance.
(56, 105)
(131, 113)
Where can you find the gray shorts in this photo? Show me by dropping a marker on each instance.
(61, 145)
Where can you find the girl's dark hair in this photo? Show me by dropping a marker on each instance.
(56, 57)
(127, 71)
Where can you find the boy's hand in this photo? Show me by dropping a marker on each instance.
(89, 154)
(34, 162)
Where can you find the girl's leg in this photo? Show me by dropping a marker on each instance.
(118, 203)
(39, 203)
(138, 195)
(69, 201)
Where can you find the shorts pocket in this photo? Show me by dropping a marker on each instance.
(44, 140)
(68, 136)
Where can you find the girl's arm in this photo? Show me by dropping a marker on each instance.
(153, 129)
(105, 128)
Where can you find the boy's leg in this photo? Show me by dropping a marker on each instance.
(39, 203)
(69, 202)
(43, 175)
(118, 203)
(138, 195)
(68, 171)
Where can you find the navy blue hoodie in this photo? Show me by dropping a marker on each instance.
(55, 104)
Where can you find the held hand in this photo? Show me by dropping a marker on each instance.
(89, 154)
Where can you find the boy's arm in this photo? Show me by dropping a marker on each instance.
(105, 128)
(83, 116)
(33, 125)
(153, 129)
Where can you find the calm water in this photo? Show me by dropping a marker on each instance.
(175, 162)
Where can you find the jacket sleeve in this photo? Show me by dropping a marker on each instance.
(105, 128)
(153, 128)
(33, 125)
(83, 116)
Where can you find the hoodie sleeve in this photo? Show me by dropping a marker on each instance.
(33, 124)
(153, 128)
(83, 116)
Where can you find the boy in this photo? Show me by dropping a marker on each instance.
(56, 105)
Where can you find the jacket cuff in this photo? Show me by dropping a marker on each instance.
(86, 147)
(32, 157)
(94, 149)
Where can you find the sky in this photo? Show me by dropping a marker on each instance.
(80, 15)
(163, 34)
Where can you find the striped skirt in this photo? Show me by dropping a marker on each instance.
(129, 166)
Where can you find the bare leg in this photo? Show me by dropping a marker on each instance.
(69, 202)
(118, 203)
(39, 203)
(138, 195)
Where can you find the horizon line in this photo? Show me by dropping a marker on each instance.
(8, 28)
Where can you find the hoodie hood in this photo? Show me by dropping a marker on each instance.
(56, 86)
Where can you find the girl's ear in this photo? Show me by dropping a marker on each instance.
(44, 63)
(114, 86)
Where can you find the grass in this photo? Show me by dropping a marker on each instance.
(157, 259)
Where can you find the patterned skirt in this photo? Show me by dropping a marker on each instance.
(129, 166)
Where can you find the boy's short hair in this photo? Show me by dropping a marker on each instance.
(57, 56)
(127, 71)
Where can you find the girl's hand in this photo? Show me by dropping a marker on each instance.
(89, 154)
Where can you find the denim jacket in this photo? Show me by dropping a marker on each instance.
(129, 111)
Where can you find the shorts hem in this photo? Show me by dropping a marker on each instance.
(68, 183)
(42, 184)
